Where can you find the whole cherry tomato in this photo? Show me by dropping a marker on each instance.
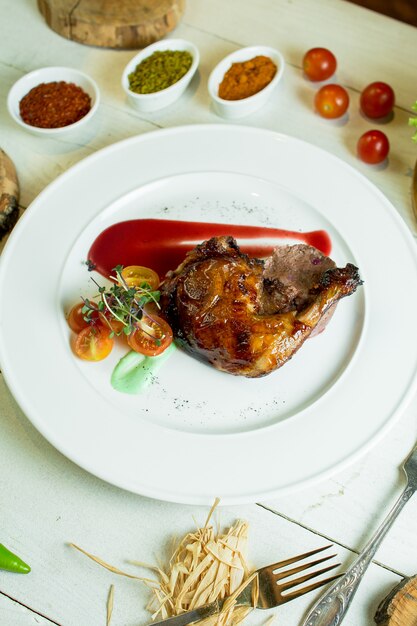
(377, 100)
(373, 147)
(331, 101)
(319, 64)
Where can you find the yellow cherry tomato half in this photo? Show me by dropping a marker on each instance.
(93, 343)
(136, 276)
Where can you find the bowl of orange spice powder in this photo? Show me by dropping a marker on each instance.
(245, 80)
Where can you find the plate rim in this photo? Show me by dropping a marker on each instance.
(168, 496)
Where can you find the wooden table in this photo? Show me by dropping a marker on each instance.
(45, 500)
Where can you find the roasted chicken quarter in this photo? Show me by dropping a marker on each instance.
(248, 316)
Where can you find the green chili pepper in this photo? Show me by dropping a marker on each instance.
(11, 562)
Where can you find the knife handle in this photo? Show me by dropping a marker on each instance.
(192, 616)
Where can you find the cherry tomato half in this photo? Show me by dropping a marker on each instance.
(373, 147)
(93, 343)
(151, 336)
(319, 64)
(76, 317)
(331, 101)
(377, 100)
(136, 275)
(112, 323)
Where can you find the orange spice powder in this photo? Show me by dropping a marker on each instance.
(245, 79)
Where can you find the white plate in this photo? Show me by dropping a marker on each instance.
(197, 433)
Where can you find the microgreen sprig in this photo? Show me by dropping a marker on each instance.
(123, 302)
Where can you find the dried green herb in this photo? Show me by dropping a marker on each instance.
(159, 71)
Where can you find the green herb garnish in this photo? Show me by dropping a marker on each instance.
(120, 302)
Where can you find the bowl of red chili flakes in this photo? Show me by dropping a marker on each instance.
(53, 100)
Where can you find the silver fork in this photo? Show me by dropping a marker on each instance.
(271, 588)
(331, 608)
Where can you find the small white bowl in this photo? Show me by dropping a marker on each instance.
(232, 109)
(146, 102)
(48, 75)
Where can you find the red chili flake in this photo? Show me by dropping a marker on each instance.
(53, 105)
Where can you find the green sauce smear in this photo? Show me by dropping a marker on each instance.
(134, 372)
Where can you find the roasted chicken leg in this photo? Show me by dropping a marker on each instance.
(247, 316)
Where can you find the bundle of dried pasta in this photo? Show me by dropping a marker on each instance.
(205, 566)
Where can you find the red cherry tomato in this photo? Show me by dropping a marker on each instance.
(76, 319)
(373, 147)
(108, 320)
(151, 336)
(377, 100)
(93, 343)
(319, 64)
(331, 101)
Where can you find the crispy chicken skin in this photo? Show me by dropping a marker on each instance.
(242, 316)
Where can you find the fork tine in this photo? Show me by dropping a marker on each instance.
(300, 592)
(301, 568)
(294, 559)
(302, 579)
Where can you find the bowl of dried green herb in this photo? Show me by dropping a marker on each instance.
(159, 74)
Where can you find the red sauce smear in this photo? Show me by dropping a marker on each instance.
(162, 244)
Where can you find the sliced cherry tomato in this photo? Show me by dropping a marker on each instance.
(377, 100)
(331, 101)
(373, 147)
(319, 64)
(112, 323)
(93, 343)
(152, 309)
(151, 336)
(136, 275)
(76, 318)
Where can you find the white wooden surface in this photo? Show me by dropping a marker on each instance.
(45, 500)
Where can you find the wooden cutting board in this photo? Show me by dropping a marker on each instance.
(399, 608)
(9, 195)
(112, 23)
